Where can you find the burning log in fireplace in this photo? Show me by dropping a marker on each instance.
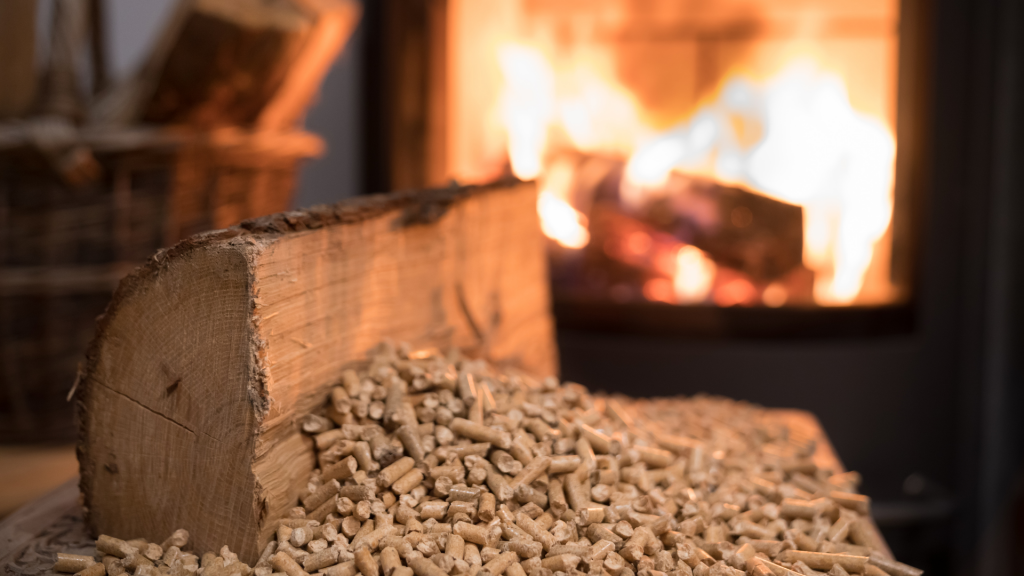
(690, 240)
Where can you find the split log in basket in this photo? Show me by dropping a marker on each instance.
(210, 352)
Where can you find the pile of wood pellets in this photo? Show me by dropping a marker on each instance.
(436, 465)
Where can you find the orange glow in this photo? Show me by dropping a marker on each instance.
(735, 292)
(694, 275)
(659, 290)
(799, 105)
(794, 137)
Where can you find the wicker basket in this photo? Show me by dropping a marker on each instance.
(63, 248)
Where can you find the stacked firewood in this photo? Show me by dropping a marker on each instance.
(437, 465)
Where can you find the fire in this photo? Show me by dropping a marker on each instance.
(794, 137)
(561, 222)
(694, 274)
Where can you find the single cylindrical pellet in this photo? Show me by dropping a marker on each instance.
(479, 535)
(178, 538)
(115, 567)
(407, 482)
(342, 470)
(356, 493)
(393, 404)
(301, 536)
(531, 472)
(325, 440)
(322, 494)
(319, 560)
(113, 546)
(72, 563)
(563, 464)
(561, 562)
(465, 493)
(655, 457)
(365, 563)
(824, 561)
(402, 571)
(498, 565)
(481, 433)
(463, 450)
(556, 497)
(424, 567)
(282, 562)
(472, 555)
(389, 560)
(410, 439)
(486, 507)
(797, 508)
(516, 569)
(362, 454)
(857, 502)
(435, 509)
(601, 548)
(840, 529)
(456, 472)
(526, 494)
(574, 492)
(394, 471)
(600, 442)
(524, 548)
(504, 462)
(455, 547)
(586, 453)
(320, 514)
(497, 482)
(520, 449)
(590, 515)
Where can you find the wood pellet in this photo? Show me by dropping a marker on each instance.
(439, 465)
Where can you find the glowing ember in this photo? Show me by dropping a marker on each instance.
(694, 275)
(794, 138)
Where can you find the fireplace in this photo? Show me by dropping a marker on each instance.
(741, 168)
(910, 367)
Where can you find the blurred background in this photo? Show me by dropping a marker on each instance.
(809, 203)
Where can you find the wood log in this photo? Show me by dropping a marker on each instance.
(208, 355)
(231, 62)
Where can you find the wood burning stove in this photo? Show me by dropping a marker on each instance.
(705, 170)
(916, 378)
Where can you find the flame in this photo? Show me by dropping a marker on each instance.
(794, 137)
(694, 275)
(816, 151)
(561, 222)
